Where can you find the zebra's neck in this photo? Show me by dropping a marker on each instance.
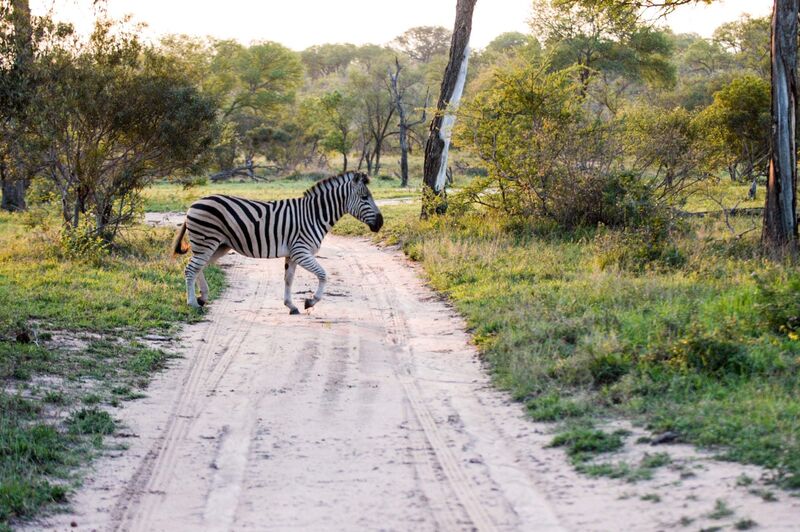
(327, 207)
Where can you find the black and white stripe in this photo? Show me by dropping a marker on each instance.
(291, 228)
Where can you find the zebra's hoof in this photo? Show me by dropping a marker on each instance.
(201, 301)
(293, 312)
(309, 303)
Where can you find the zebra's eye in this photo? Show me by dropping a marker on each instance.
(365, 197)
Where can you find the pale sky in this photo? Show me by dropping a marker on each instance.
(302, 23)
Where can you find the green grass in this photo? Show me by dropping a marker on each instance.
(706, 347)
(166, 197)
(707, 196)
(582, 443)
(721, 510)
(70, 351)
(622, 470)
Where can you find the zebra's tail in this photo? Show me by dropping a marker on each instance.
(179, 247)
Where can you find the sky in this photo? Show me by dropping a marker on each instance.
(302, 23)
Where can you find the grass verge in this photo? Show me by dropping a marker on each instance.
(706, 347)
(71, 351)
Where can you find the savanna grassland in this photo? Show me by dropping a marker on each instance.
(601, 237)
(704, 347)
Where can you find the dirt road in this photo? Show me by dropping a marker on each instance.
(370, 413)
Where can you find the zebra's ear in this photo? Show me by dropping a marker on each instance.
(357, 178)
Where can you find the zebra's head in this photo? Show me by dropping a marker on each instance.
(361, 205)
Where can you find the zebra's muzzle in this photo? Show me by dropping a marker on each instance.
(377, 224)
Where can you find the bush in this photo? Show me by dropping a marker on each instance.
(711, 355)
(91, 421)
(648, 245)
(548, 157)
(778, 301)
(608, 368)
(583, 443)
(552, 407)
(83, 243)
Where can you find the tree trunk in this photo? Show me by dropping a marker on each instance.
(779, 234)
(403, 154)
(15, 183)
(13, 192)
(377, 167)
(438, 143)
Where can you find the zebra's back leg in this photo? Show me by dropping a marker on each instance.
(195, 267)
(288, 277)
(309, 262)
(201, 277)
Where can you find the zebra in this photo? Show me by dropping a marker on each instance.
(291, 228)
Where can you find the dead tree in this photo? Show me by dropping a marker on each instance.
(404, 125)
(779, 233)
(438, 143)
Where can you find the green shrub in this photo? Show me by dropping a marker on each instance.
(583, 443)
(778, 301)
(608, 368)
(647, 246)
(91, 421)
(552, 407)
(83, 243)
(710, 355)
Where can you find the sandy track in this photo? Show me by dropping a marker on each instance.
(371, 412)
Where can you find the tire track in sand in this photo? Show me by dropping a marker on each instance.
(398, 335)
(135, 509)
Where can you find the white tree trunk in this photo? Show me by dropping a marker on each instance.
(446, 131)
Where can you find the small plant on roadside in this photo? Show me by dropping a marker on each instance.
(91, 421)
(582, 444)
(721, 510)
(745, 524)
(552, 407)
(652, 497)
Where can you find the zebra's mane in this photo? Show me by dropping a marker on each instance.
(333, 181)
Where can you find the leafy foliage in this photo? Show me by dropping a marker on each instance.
(110, 118)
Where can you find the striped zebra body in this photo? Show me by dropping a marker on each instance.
(291, 228)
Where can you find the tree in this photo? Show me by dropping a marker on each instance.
(338, 109)
(367, 83)
(112, 119)
(405, 124)
(706, 58)
(326, 59)
(601, 37)
(663, 145)
(545, 155)
(455, 74)
(16, 86)
(295, 137)
(779, 233)
(747, 40)
(252, 85)
(736, 127)
(422, 43)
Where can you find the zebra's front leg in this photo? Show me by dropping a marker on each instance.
(309, 262)
(288, 277)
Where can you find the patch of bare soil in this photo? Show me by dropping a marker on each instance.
(371, 412)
